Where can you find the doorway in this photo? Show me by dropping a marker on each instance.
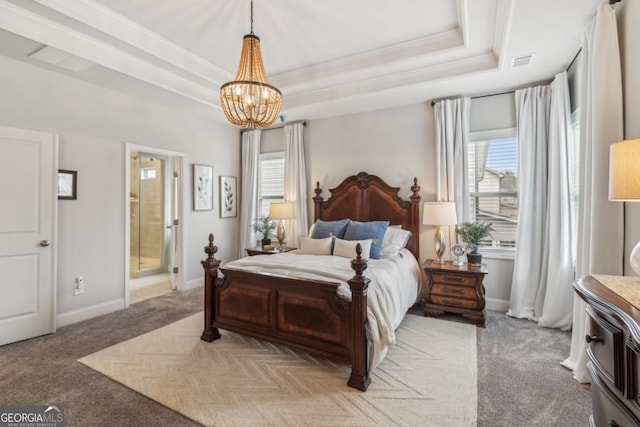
(154, 188)
(149, 237)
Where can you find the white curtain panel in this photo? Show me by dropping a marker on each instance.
(533, 108)
(249, 195)
(452, 135)
(600, 222)
(295, 182)
(543, 270)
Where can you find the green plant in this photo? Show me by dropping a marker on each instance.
(473, 233)
(265, 226)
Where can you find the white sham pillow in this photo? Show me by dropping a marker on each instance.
(315, 246)
(395, 239)
(347, 248)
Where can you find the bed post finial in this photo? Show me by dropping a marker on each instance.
(415, 188)
(317, 200)
(210, 266)
(359, 284)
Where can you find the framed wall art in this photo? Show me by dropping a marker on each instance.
(67, 185)
(202, 187)
(228, 197)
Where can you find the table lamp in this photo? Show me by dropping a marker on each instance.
(439, 213)
(281, 211)
(624, 181)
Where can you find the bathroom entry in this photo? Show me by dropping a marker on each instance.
(149, 211)
(154, 214)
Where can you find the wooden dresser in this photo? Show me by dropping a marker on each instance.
(454, 289)
(614, 348)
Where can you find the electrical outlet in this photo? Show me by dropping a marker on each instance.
(79, 288)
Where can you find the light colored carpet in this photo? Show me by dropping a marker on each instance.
(428, 378)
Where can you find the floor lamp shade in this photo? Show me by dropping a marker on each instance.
(281, 211)
(624, 181)
(439, 213)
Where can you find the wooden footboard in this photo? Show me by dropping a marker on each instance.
(305, 315)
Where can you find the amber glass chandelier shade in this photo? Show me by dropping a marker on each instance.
(250, 101)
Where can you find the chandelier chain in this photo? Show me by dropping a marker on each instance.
(251, 16)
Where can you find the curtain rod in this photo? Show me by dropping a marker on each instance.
(304, 123)
(477, 96)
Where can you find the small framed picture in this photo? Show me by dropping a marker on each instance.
(67, 184)
(202, 187)
(228, 197)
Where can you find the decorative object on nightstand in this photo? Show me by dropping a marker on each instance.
(438, 214)
(457, 251)
(264, 226)
(281, 211)
(454, 289)
(624, 181)
(472, 233)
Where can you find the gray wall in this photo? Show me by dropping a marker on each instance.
(629, 34)
(94, 123)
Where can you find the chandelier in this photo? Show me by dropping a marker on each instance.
(250, 101)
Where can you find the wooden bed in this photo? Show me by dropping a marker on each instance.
(307, 314)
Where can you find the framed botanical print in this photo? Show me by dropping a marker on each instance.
(202, 187)
(228, 197)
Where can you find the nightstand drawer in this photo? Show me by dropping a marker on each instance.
(606, 350)
(454, 302)
(453, 291)
(454, 279)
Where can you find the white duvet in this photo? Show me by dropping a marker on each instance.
(395, 286)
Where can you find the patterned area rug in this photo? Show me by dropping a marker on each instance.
(428, 378)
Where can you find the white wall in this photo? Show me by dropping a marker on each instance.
(94, 124)
(629, 34)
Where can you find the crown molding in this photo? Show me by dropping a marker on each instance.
(42, 30)
(415, 77)
(109, 22)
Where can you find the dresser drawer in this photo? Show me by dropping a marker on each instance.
(606, 350)
(454, 302)
(454, 291)
(453, 279)
(607, 409)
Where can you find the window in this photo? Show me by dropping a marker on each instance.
(493, 184)
(270, 181)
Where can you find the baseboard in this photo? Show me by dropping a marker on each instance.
(192, 284)
(500, 305)
(90, 312)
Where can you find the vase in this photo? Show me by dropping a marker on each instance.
(266, 242)
(474, 258)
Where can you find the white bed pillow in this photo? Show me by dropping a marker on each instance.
(347, 248)
(394, 240)
(315, 246)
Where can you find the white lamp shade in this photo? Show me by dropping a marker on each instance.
(439, 213)
(281, 210)
(624, 171)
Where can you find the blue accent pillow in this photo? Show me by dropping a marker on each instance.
(323, 229)
(368, 230)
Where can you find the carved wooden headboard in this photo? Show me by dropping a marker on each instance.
(365, 197)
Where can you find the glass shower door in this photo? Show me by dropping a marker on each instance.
(148, 232)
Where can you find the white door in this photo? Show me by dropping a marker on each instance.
(28, 188)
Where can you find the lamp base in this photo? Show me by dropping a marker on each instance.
(280, 235)
(635, 259)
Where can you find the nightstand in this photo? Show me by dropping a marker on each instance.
(454, 289)
(259, 251)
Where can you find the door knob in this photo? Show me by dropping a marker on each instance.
(44, 243)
